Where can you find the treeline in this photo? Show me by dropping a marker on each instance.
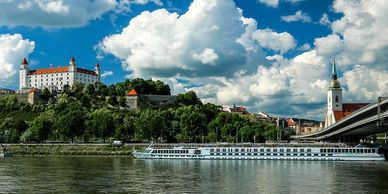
(80, 114)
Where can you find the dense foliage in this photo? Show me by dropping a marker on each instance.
(93, 113)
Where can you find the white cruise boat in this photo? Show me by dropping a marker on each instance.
(357, 153)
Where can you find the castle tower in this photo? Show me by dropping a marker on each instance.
(23, 71)
(334, 98)
(72, 64)
(97, 69)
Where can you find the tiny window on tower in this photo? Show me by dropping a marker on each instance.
(336, 98)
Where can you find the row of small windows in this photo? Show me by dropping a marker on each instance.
(57, 74)
(348, 150)
(171, 151)
(296, 150)
(267, 154)
(259, 150)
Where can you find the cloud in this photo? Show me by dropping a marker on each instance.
(365, 84)
(282, 42)
(294, 1)
(211, 39)
(107, 73)
(270, 3)
(12, 50)
(324, 20)
(208, 56)
(143, 2)
(52, 13)
(298, 16)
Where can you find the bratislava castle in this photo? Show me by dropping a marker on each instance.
(55, 78)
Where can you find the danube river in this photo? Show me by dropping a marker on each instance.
(124, 175)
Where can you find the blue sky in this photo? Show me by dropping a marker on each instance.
(260, 53)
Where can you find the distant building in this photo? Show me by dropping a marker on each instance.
(55, 78)
(336, 109)
(235, 109)
(303, 126)
(7, 91)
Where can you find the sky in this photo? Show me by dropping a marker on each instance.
(272, 56)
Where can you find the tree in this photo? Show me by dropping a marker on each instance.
(71, 121)
(189, 98)
(40, 128)
(112, 100)
(46, 94)
(102, 121)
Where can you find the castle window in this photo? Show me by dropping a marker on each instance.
(336, 98)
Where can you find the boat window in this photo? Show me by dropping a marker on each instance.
(261, 150)
(217, 150)
(211, 154)
(315, 154)
(268, 150)
(230, 154)
(373, 151)
(281, 150)
(321, 150)
(295, 150)
(275, 150)
(308, 150)
(301, 150)
(211, 150)
(223, 153)
(288, 150)
(197, 151)
(224, 150)
(255, 150)
(242, 150)
(236, 150)
(302, 154)
(261, 154)
(281, 154)
(331, 150)
(248, 154)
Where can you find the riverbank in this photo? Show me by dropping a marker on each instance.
(71, 150)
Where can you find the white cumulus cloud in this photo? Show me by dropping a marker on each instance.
(52, 13)
(298, 16)
(208, 56)
(269, 3)
(267, 38)
(107, 73)
(206, 40)
(12, 50)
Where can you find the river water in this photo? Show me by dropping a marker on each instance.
(124, 175)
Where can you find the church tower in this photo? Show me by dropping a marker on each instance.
(334, 98)
(23, 71)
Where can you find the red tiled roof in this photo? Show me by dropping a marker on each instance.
(24, 62)
(48, 70)
(85, 71)
(348, 109)
(351, 107)
(132, 93)
(290, 122)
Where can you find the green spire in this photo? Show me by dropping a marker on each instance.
(334, 83)
(334, 71)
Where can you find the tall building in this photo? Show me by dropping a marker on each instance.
(55, 78)
(336, 109)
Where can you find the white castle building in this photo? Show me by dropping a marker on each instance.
(55, 78)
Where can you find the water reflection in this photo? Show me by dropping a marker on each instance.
(111, 175)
